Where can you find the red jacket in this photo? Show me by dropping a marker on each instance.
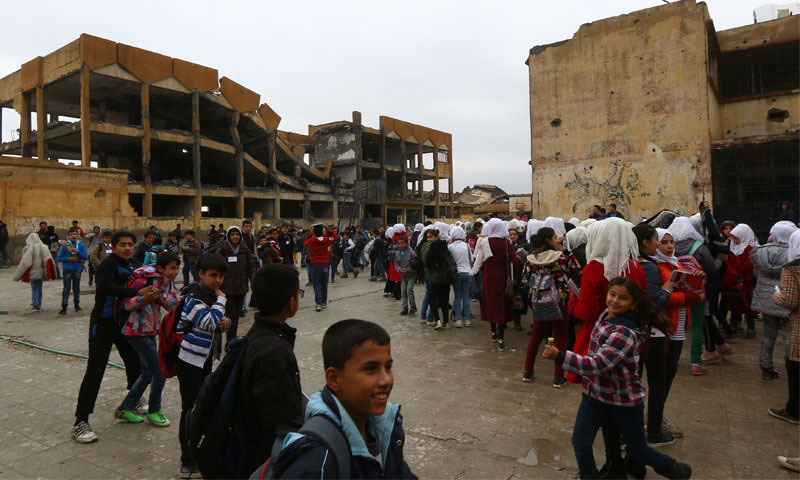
(678, 298)
(592, 303)
(737, 274)
(318, 246)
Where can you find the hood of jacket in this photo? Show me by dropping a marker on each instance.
(33, 239)
(544, 258)
(629, 319)
(379, 427)
(772, 256)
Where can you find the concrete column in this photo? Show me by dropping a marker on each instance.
(41, 116)
(24, 109)
(436, 181)
(86, 144)
(238, 164)
(405, 168)
(196, 159)
(147, 204)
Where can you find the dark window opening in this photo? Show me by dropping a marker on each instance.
(751, 181)
(219, 207)
(759, 70)
(291, 209)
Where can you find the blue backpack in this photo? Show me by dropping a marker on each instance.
(544, 298)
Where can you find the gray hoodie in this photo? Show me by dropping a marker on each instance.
(768, 260)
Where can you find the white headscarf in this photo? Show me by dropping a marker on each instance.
(418, 227)
(611, 243)
(587, 222)
(574, 221)
(457, 234)
(468, 225)
(444, 230)
(398, 228)
(533, 227)
(746, 237)
(781, 231)
(576, 237)
(682, 229)
(660, 257)
(794, 246)
(556, 224)
(697, 222)
(495, 228)
(483, 222)
(515, 225)
(389, 233)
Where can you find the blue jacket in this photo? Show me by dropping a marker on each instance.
(64, 254)
(305, 457)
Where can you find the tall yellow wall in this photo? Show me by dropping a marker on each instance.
(631, 94)
(748, 118)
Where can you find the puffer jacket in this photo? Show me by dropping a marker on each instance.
(789, 298)
(768, 260)
(145, 317)
(34, 256)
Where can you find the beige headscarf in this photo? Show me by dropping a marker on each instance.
(612, 243)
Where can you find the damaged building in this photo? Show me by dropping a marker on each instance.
(657, 109)
(193, 147)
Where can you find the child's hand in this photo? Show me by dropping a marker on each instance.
(219, 293)
(224, 324)
(550, 352)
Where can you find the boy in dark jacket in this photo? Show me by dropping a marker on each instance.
(269, 394)
(241, 267)
(377, 257)
(358, 376)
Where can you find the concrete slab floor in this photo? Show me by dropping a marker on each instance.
(467, 412)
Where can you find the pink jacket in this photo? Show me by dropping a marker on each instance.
(146, 316)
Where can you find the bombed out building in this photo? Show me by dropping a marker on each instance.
(160, 140)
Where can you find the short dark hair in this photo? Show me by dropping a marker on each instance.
(247, 222)
(272, 230)
(107, 233)
(433, 231)
(273, 286)
(149, 234)
(643, 231)
(165, 258)
(344, 336)
(403, 238)
(157, 240)
(212, 261)
(172, 234)
(120, 235)
(72, 229)
(476, 225)
(215, 237)
(612, 205)
(74, 221)
(189, 232)
(42, 223)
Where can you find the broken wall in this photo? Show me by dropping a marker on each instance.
(619, 114)
(340, 146)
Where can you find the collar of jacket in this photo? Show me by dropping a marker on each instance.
(545, 257)
(200, 292)
(282, 330)
(628, 319)
(379, 427)
(227, 248)
(122, 262)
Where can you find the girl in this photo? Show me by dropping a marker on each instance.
(740, 272)
(141, 328)
(549, 259)
(459, 250)
(436, 269)
(518, 241)
(39, 265)
(612, 389)
(495, 308)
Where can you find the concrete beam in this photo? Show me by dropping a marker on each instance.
(195, 76)
(147, 66)
(241, 98)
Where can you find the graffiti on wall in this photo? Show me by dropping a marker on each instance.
(619, 187)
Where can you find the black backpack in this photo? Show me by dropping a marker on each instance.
(214, 440)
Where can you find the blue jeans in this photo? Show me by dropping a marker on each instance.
(334, 268)
(3, 249)
(407, 285)
(147, 349)
(36, 293)
(346, 265)
(461, 293)
(426, 311)
(361, 260)
(72, 279)
(378, 268)
(629, 420)
(187, 269)
(318, 274)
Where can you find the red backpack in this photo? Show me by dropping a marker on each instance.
(169, 340)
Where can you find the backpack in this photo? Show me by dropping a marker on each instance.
(544, 298)
(327, 433)
(213, 439)
(169, 340)
(687, 263)
(121, 315)
(361, 242)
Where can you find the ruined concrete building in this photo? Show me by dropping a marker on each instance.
(658, 109)
(197, 148)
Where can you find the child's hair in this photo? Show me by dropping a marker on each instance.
(72, 229)
(165, 258)
(190, 232)
(215, 237)
(212, 262)
(273, 230)
(540, 238)
(149, 234)
(432, 231)
(344, 336)
(105, 234)
(404, 239)
(157, 241)
(273, 286)
(120, 235)
(649, 313)
(247, 222)
(643, 231)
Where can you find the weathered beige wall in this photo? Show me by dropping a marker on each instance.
(631, 95)
(748, 118)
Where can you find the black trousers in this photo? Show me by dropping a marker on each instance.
(711, 335)
(656, 364)
(233, 308)
(103, 333)
(438, 299)
(793, 374)
(190, 378)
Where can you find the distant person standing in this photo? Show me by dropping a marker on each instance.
(72, 254)
(787, 213)
(43, 233)
(4, 238)
(142, 248)
(612, 212)
(191, 249)
(286, 245)
(78, 227)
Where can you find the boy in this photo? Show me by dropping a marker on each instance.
(100, 251)
(72, 254)
(191, 253)
(141, 328)
(377, 256)
(172, 245)
(403, 259)
(203, 309)
(317, 243)
(269, 394)
(348, 246)
(286, 245)
(141, 250)
(241, 267)
(358, 377)
(112, 275)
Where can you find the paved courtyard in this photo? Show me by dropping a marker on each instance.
(467, 412)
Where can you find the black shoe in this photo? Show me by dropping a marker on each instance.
(783, 415)
(527, 376)
(517, 327)
(373, 279)
(559, 382)
(78, 308)
(63, 311)
(494, 337)
(404, 312)
(634, 469)
(412, 311)
(678, 471)
(768, 374)
(613, 470)
(501, 345)
(333, 280)
(661, 440)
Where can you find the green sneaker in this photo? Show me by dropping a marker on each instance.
(128, 415)
(158, 419)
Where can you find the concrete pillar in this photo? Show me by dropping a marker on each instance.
(437, 214)
(86, 144)
(41, 116)
(147, 204)
(24, 108)
(196, 160)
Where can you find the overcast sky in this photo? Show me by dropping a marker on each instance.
(456, 66)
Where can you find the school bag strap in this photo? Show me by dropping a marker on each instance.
(697, 244)
(331, 437)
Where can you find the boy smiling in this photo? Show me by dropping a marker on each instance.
(358, 374)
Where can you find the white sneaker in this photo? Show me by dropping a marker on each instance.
(790, 463)
(141, 407)
(468, 323)
(458, 324)
(83, 433)
(439, 325)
